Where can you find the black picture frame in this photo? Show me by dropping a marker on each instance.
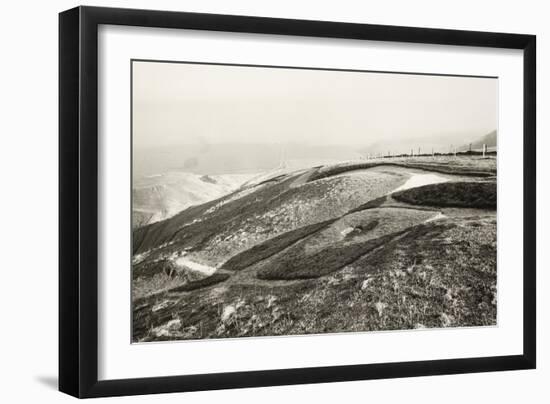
(78, 201)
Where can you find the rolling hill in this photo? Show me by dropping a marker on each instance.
(157, 197)
(357, 246)
(490, 139)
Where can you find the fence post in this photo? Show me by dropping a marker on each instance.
(484, 149)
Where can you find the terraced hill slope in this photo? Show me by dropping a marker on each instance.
(350, 247)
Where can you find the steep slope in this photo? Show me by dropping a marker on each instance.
(221, 228)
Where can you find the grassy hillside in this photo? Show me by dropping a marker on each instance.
(465, 166)
(490, 139)
(434, 275)
(329, 249)
(230, 225)
(456, 194)
(272, 246)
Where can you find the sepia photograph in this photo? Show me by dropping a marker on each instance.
(274, 201)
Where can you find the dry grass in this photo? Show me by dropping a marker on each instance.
(296, 264)
(142, 287)
(274, 209)
(435, 275)
(272, 246)
(326, 256)
(148, 269)
(213, 279)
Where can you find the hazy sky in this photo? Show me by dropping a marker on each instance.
(177, 104)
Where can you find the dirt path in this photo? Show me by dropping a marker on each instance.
(195, 266)
(418, 180)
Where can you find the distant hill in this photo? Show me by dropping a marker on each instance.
(158, 197)
(439, 144)
(490, 139)
(234, 158)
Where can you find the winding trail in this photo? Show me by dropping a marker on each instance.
(418, 180)
(194, 266)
